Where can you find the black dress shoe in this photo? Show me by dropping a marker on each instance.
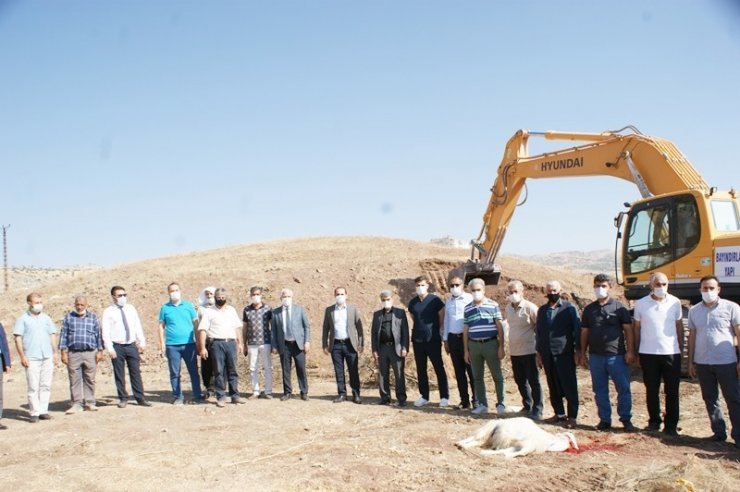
(385, 402)
(462, 406)
(304, 396)
(143, 403)
(286, 397)
(357, 399)
(44, 416)
(402, 404)
(340, 399)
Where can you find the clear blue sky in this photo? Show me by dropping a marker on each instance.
(136, 129)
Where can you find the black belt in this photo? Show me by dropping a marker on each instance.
(82, 350)
(482, 340)
(458, 335)
(123, 344)
(223, 339)
(343, 340)
(388, 343)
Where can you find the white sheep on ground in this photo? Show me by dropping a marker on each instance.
(518, 436)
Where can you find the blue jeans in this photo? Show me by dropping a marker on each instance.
(175, 354)
(603, 368)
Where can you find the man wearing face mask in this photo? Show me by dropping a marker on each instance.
(390, 344)
(452, 339)
(256, 318)
(714, 328)
(35, 341)
(658, 332)
(558, 349)
(291, 335)
(484, 339)
(343, 339)
(221, 325)
(81, 345)
(606, 332)
(123, 339)
(177, 324)
(205, 300)
(427, 311)
(521, 316)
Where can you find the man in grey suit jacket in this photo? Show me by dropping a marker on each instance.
(390, 343)
(290, 338)
(342, 337)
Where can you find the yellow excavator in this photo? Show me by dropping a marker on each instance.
(681, 226)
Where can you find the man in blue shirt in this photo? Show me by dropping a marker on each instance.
(81, 345)
(427, 311)
(178, 322)
(35, 341)
(558, 339)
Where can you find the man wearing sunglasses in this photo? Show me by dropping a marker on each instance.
(452, 338)
(123, 339)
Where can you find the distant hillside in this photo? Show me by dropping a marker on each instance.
(30, 277)
(600, 261)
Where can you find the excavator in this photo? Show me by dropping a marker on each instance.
(681, 226)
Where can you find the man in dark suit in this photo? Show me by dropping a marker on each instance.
(343, 339)
(291, 339)
(390, 343)
(4, 367)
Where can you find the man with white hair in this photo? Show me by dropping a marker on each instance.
(558, 338)
(658, 332)
(81, 345)
(221, 324)
(290, 338)
(484, 338)
(521, 316)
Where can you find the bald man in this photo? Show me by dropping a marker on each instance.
(81, 346)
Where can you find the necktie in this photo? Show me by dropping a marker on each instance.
(288, 330)
(125, 326)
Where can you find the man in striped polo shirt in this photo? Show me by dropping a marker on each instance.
(483, 336)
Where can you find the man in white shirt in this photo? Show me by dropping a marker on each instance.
(342, 338)
(521, 317)
(123, 339)
(658, 334)
(452, 339)
(220, 327)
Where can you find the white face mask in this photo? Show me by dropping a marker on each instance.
(121, 301)
(256, 299)
(601, 292)
(421, 290)
(515, 298)
(341, 299)
(660, 292)
(456, 291)
(287, 301)
(478, 295)
(710, 296)
(210, 301)
(175, 296)
(387, 304)
(37, 308)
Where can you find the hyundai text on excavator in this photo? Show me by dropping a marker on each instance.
(681, 226)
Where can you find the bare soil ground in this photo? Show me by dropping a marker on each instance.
(318, 445)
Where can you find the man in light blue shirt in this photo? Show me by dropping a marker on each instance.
(178, 321)
(35, 340)
(452, 338)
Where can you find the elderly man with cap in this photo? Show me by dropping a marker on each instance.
(222, 326)
(390, 343)
(81, 345)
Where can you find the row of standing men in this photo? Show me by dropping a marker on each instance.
(471, 328)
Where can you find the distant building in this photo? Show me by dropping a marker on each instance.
(449, 241)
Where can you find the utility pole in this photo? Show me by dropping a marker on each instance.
(5, 254)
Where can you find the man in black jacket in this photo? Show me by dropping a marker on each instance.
(390, 344)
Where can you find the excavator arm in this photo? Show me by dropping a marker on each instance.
(656, 166)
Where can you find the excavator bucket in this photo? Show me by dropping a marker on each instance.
(489, 273)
